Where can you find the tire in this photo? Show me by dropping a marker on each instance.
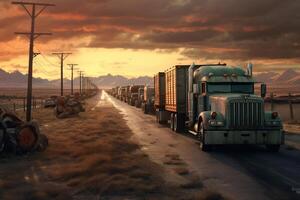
(2, 139)
(273, 147)
(172, 121)
(27, 139)
(179, 123)
(175, 122)
(146, 109)
(43, 143)
(201, 136)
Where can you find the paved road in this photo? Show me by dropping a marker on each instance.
(238, 172)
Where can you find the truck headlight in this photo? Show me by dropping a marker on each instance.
(216, 123)
(220, 123)
(273, 123)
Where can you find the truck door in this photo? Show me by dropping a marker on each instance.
(202, 98)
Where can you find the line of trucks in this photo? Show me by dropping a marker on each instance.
(215, 102)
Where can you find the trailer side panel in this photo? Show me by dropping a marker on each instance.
(176, 89)
(160, 90)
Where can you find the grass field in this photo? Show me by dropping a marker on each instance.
(92, 156)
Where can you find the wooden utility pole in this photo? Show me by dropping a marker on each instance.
(72, 71)
(62, 57)
(83, 83)
(80, 81)
(32, 35)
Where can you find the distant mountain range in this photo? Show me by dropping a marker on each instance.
(19, 80)
(287, 77)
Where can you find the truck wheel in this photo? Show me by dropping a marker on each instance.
(172, 121)
(273, 147)
(177, 123)
(204, 147)
(2, 139)
(146, 108)
(157, 116)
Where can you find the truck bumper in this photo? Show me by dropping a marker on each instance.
(244, 137)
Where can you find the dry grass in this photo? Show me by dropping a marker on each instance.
(36, 92)
(182, 171)
(193, 183)
(89, 156)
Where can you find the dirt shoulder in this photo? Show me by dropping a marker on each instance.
(91, 156)
(292, 128)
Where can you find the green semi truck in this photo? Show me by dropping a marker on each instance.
(133, 94)
(216, 103)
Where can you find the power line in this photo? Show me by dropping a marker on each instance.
(42, 69)
(44, 64)
(32, 35)
(44, 57)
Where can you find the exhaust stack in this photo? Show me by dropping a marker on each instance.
(190, 94)
(249, 69)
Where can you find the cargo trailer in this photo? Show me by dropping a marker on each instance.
(159, 99)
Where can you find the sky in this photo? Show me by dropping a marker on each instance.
(141, 37)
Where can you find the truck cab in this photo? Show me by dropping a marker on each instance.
(140, 97)
(148, 102)
(133, 94)
(122, 93)
(223, 108)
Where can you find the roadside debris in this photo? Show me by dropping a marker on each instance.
(50, 102)
(19, 137)
(68, 107)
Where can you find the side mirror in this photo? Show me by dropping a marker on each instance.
(203, 89)
(263, 90)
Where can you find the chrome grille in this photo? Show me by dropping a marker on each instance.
(246, 114)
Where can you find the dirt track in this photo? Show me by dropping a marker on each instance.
(94, 156)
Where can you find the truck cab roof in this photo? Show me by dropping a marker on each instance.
(222, 74)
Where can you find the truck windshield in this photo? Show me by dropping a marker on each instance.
(230, 88)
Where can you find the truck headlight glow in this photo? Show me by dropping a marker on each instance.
(273, 123)
(220, 123)
(216, 123)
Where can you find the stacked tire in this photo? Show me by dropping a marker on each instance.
(19, 137)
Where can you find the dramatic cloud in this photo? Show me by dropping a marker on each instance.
(209, 29)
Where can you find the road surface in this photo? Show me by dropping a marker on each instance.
(237, 172)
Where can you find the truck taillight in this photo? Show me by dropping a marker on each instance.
(213, 115)
(274, 115)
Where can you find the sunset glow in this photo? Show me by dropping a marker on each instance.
(124, 38)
